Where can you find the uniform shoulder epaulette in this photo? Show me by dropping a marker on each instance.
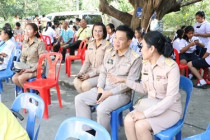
(136, 55)
(145, 61)
(109, 50)
(169, 62)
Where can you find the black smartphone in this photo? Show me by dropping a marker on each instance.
(99, 96)
(79, 77)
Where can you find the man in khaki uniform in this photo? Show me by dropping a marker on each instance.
(91, 68)
(120, 61)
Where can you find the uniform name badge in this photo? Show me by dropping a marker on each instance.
(158, 77)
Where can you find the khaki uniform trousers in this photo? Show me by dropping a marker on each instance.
(86, 85)
(85, 100)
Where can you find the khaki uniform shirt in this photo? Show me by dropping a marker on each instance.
(30, 53)
(94, 58)
(160, 81)
(126, 66)
(18, 31)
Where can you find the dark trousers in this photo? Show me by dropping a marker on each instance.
(74, 46)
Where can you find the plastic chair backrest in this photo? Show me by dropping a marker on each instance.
(10, 62)
(46, 40)
(186, 85)
(17, 54)
(177, 56)
(82, 48)
(73, 128)
(53, 72)
(35, 111)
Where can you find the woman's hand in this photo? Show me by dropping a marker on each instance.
(114, 79)
(136, 115)
(192, 44)
(84, 77)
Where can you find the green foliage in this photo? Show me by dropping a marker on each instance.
(186, 16)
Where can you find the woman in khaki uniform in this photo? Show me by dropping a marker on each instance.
(88, 75)
(32, 48)
(160, 80)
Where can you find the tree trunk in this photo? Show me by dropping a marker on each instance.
(104, 7)
(147, 12)
(135, 21)
(162, 7)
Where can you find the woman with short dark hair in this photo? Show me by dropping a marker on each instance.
(88, 75)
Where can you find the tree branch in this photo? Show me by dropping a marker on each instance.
(190, 2)
(104, 7)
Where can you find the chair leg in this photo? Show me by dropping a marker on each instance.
(69, 67)
(44, 97)
(114, 125)
(121, 119)
(66, 65)
(186, 71)
(48, 97)
(179, 135)
(59, 96)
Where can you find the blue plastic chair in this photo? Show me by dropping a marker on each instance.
(73, 128)
(168, 134)
(203, 136)
(35, 111)
(117, 117)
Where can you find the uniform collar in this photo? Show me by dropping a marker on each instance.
(126, 54)
(34, 41)
(102, 42)
(160, 61)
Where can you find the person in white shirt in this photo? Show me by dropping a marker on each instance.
(6, 47)
(110, 33)
(188, 47)
(200, 63)
(49, 32)
(136, 44)
(202, 30)
(177, 39)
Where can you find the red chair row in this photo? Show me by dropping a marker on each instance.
(79, 56)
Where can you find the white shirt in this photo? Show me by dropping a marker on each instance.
(8, 49)
(208, 51)
(111, 38)
(51, 33)
(204, 29)
(176, 44)
(183, 43)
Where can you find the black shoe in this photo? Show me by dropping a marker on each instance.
(92, 132)
(201, 86)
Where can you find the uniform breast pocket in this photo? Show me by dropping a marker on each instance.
(124, 69)
(161, 85)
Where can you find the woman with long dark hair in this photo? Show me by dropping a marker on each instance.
(188, 46)
(32, 48)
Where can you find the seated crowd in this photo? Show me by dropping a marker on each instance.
(115, 62)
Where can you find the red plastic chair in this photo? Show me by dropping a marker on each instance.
(181, 66)
(46, 39)
(19, 38)
(80, 56)
(205, 75)
(44, 85)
